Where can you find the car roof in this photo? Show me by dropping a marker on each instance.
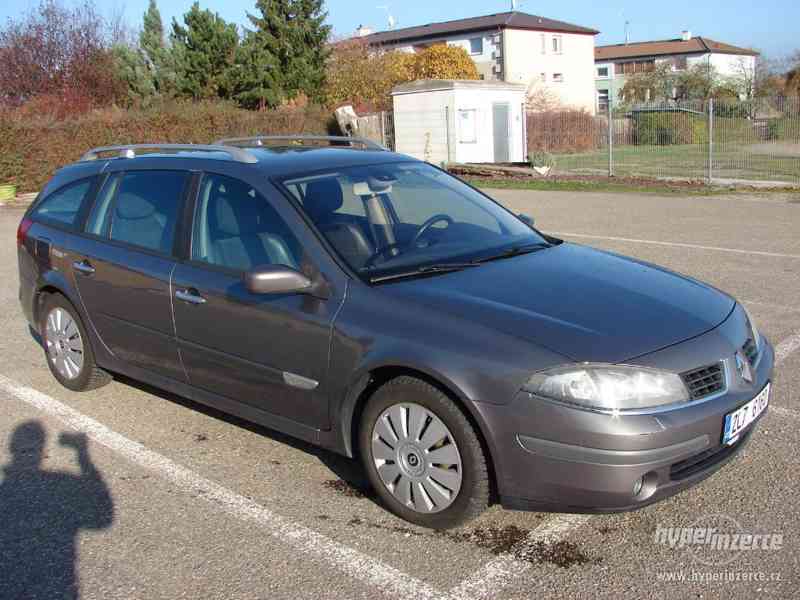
(275, 162)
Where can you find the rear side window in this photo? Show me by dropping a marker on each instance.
(145, 209)
(62, 206)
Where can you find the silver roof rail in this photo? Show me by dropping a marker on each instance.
(267, 140)
(132, 150)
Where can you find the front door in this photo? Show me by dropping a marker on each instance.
(123, 268)
(502, 135)
(267, 351)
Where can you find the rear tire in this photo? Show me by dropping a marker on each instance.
(67, 348)
(422, 455)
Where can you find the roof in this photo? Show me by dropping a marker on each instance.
(434, 85)
(506, 20)
(277, 161)
(693, 45)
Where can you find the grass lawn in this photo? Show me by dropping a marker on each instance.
(685, 161)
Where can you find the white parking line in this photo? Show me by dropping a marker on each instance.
(359, 566)
(496, 575)
(786, 347)
(675, 244)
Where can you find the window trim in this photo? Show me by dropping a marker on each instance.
(558, 44)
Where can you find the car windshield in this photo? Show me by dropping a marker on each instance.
(397, 218)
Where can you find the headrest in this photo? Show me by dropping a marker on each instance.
(323, 197)
(238, 215)
(133, 207)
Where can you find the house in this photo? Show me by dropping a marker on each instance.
(513, 47)
(615, 62)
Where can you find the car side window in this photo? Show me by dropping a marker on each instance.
(99, 219)
(235, 227)
(63, 206)
(145, 209)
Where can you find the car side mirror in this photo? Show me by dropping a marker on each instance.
(277, 279)
(527, 219)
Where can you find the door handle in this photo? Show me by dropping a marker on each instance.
(83, 267)
(190, 296)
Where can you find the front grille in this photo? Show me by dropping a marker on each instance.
(750, 350)
(704, 381)
(703, 460)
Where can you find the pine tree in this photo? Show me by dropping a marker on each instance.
(284, 55)
(204, 50)
(156, 53)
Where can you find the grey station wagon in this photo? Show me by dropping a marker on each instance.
(374, 305)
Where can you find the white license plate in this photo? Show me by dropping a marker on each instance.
(738, 420)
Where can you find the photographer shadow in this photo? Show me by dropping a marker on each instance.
(43, 512)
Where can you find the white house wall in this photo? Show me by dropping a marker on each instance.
(420, 126)
(525, 63)
(482, 150)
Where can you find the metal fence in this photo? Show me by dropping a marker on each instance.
(719, 141)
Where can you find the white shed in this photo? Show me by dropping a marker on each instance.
(448, 121)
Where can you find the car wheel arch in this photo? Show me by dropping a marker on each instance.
(368, 382)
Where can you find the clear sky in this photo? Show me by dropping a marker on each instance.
(772, 26)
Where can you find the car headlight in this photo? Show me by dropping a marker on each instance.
(609, 387)
(753, 329)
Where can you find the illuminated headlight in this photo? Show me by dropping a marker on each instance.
(609, 387)
(753, 329)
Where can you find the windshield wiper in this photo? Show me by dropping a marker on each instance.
(513, 251)
(425, 270)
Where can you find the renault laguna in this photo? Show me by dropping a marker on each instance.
(377, 306)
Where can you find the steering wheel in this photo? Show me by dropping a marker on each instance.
(427, 225)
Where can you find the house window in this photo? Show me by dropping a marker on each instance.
(476, 45)
(557, 44)
(558, 77)
(544, 43)
(543, 76)
(602, 101)
(619, 68)
(602, 71)
(679, 63)
(468, 126)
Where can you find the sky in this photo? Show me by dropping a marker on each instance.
(771, 26)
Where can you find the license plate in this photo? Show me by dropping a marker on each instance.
(738, 420)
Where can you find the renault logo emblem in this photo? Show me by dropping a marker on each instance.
(743, 367)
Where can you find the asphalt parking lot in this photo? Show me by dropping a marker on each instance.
(171, 500)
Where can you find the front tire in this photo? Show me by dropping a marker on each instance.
(422, 455)
(67, 348)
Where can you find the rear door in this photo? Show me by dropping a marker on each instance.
(124, 264)
(266, 351)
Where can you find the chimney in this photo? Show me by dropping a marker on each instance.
(363, 31)
(686, 35)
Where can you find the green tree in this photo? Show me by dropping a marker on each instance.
(204, 49)
(288, 46)
(131, 69)
(155, 51)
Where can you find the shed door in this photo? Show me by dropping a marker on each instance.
(500, 121)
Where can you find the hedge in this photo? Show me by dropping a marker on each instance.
(563, 131)
(31, 148)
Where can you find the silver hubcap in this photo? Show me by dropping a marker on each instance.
(416, 457)
(64, 343)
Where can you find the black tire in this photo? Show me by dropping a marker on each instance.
(473, 496)
(90, 376)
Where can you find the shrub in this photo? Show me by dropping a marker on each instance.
(32, 148)
(563, 131)
(668, 128)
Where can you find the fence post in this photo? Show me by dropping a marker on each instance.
(710, 140)
(610, 136)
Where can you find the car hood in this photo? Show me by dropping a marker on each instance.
(585, 304)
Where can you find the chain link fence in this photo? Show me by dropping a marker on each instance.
(716, 140)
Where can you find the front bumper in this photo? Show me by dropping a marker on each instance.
(550, 456)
